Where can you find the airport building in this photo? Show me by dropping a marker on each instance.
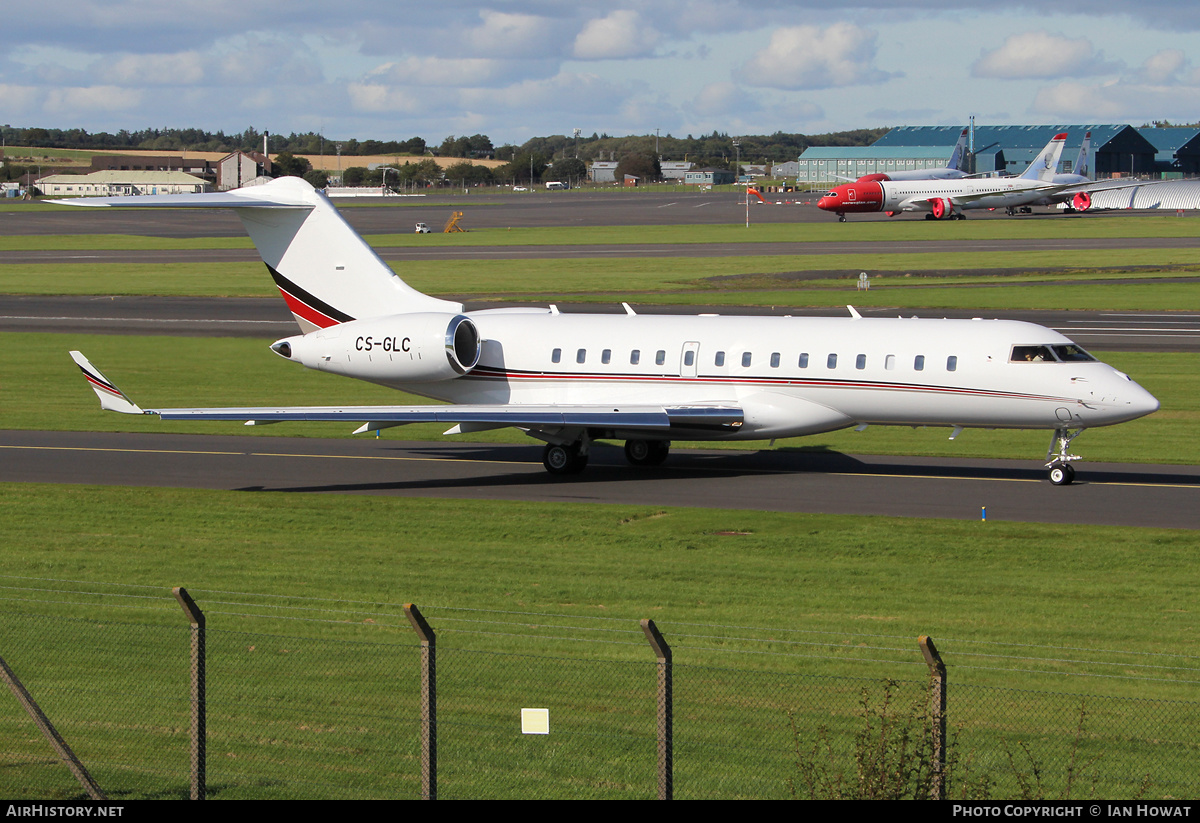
(111, 183)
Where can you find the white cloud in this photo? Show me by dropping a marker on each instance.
(440, 71)
(510, 35)
(18, 98)
(565, 93)
(807, 57)
(377, 98)
(1039, 54)
(183, 69)
(622, 34)
(1117, 102)
(91, 98)
(1162, 67)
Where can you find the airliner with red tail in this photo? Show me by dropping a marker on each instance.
(948, 199)
(570, 380)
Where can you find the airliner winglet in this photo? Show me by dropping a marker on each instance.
(571, 379)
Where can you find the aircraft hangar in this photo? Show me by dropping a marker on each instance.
(1117, 150)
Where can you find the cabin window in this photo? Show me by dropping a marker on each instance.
(581, 356)
(689, 357)
(746, 358)
(635, 357)
(774, 359)
(804, 360)
(919, 362)
(831, 362)
(719, 360)
(951, 363)
(660, 357)
(889, 362)
(606, 356)
(860, 362)
(556, 356)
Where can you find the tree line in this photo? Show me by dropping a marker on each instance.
(715, 149)
(555, 157)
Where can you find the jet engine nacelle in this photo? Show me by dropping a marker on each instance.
(423, 347)
(1082, 201)
(941, 207)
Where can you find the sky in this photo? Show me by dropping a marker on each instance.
(516, 70)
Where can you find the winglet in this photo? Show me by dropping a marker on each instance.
(111, 398)
(854, 313)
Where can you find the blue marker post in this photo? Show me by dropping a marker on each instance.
(983, 513)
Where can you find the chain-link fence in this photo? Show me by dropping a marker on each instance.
(311, 699)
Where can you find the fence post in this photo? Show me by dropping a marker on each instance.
(666, 716)
(199, 687)
(937, 713)
(428, 701)
(50, 733)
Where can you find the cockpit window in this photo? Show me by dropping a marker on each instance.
(1071, 354)
(1031, 354)
(1050, 354)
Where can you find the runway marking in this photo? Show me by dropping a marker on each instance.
(129, 451)
(482, 461)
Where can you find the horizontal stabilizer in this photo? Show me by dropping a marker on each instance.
(253, 197)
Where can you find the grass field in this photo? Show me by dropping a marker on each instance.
(538, 604)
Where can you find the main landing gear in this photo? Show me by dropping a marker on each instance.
(1058, 458)
(572, 458)
(647, 452)
(565, 458)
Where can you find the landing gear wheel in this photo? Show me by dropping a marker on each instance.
(1062, 475)
(559, 459)
(647, 452)
(841, 218)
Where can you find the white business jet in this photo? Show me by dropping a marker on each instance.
(572, 379)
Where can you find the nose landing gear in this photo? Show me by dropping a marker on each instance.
(1058, 458)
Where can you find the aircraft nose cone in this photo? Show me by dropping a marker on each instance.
(1144, 402)
(825, 203)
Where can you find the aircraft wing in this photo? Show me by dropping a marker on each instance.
(1093, 186)
(969, 198)
(648, 418)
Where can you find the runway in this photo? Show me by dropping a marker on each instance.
(492, 209)
(785, 481)
(269, 319)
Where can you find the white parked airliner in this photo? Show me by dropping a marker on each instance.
(572, 379)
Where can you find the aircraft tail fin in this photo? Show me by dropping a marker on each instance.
(1083, 161)
(956, 156)
(325, 271)
(1045, 165)
(111, 398)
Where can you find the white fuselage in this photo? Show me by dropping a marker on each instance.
(988, 193)
(791, 375)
